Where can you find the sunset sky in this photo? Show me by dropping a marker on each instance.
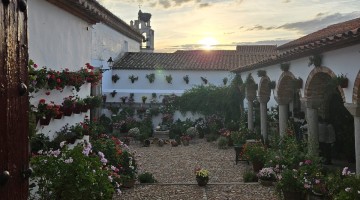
(222, 24)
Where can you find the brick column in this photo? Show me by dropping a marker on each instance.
(263, 116)
(354, 109)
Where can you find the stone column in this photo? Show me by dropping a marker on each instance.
(312, 105)
(263, 116)
(354, 109)
(250, 115)
(283, 113)
(250, 96)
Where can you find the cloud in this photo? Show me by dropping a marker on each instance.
(320, 21)
(286, 1)
(165, 3)
(204, 5)
(309, 26)
(229, 33)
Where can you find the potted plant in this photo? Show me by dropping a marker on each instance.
(185, 139)
(289, 184)
(204, 80)
(104, 98)
(267, 176)
(261, 73)
(186, 79)
(113, 93)
(285, 66)
(133, 78)
(123, 99)
(115, 78)
(315, 60)
(342, 80)
(202, 176)
(256, 153)
(150, 77)
(45, 112)
(168, 78)
(225, 80)
(143, 98)
(68, 105)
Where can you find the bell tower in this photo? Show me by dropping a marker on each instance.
(142, 24)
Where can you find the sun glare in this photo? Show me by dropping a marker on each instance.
(208, 43)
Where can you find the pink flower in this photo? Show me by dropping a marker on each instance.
(308, 162)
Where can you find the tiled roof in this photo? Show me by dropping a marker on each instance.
(189, 60)
(92, 12)
(344, 34)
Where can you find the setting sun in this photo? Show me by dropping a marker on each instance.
(208, 43)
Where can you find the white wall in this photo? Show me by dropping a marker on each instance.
(341, 61)
(142, 87)
(58, 40)
(107, 42)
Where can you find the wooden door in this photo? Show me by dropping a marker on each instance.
(14, 102)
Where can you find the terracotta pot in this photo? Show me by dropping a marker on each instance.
(266, 182)
(257, 166)
(59, 116)
(84, 108)
(128, 183)
(202, 181)
(67, 111)
(291, 195)
(77, 110)
(45, 121)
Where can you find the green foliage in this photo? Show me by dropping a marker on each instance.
(209, 100)
(70, 175)
(255, 152)
(212, 137)
(222, 142)
(249, 176)
(290, 180)
(147, 178)
(39, 142)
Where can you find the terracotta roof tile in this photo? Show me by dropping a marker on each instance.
(193, 60)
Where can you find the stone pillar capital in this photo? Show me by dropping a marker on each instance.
(312, 102)
(283, 100)
(263, 99)
(354, 109)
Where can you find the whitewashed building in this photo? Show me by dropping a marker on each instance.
(69, 34)
(336, 52)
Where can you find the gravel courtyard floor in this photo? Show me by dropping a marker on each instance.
(173, 167)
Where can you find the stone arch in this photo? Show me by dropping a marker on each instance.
(250, 90)
(285, 86)
(356, 90)
(315, 86)
(264, 89)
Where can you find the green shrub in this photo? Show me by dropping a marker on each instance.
(211, 137)
(222, 142)
(147, 178)
(69, 174)
(249, 176)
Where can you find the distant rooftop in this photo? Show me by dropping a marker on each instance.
(196, 59)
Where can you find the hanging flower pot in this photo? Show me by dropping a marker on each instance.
(67, 111)
(59, 115)
(202, 181)
(84, 108)
(44, 121)
(77, 109)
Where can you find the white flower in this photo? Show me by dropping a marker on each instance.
(62, 144)
(68, 161)
(347, 189)
(110, 178)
